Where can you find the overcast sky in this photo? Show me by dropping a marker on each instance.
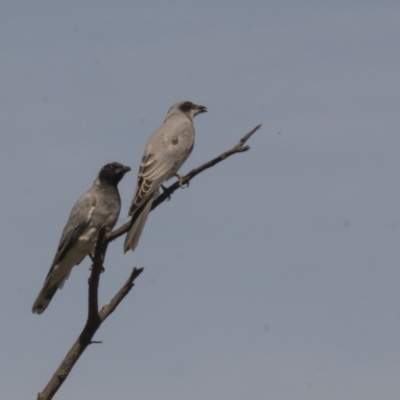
(275, 275)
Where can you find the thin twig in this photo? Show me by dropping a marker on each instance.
(112, 305)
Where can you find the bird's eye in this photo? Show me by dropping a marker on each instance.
(110, 167)
(188, 104)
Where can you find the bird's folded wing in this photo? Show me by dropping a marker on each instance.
(79, 219)
(160, 165)
(152, 174)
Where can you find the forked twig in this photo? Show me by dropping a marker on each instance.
(94, 320)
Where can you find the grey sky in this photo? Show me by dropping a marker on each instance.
(276, 274)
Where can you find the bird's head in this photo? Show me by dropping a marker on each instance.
(113, 172)
(188, 108)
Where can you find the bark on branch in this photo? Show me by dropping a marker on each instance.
(96, 318)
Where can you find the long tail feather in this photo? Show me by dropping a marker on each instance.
(43, 299)
(133, 236)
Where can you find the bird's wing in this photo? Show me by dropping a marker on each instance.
(79, 219)
(165, 153)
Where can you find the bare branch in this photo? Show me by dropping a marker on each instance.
(93, 309)
(95, 319)
(238, 148)
(112, 305)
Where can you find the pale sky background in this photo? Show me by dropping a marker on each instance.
(276, 274)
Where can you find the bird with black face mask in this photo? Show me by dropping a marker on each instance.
(99, 206)
(166, 150)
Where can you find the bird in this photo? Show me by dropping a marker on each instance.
(166, 150)
(99, 206)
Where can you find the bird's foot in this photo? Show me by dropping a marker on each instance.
(180, 180)
(166, 190)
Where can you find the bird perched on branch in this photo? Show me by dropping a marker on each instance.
(99, 206)
(166, 150)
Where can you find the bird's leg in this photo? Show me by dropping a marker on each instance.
(165, 190)
(180, 179)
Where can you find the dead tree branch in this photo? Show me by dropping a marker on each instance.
(96, 318)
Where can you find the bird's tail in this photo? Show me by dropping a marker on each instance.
(44, 298)
(133, 236)
(48, 291)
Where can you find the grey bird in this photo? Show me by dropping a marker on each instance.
(166, 150)
(100, 205)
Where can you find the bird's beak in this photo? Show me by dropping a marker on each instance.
(125, 169)
(201, 109)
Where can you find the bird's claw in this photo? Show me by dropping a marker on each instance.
(166, 190)
(180, 180)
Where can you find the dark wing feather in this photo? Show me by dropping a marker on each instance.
(78, 220)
